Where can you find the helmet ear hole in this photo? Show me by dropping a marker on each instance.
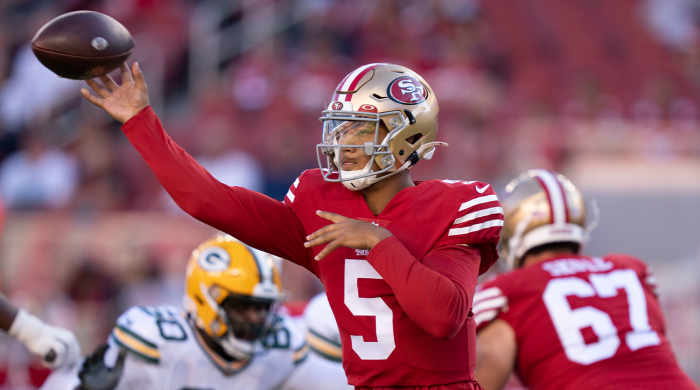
(414, 138)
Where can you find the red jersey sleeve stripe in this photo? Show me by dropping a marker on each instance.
(478, 214)
(477, 201)
(487, 293)
(490, 304)
(290, 194)
(486, 316)
(474, 228)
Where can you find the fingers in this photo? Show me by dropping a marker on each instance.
(120, 359)
(328, 249)
(91, 98)
(140, 81)
(126, 73)
(324, 238)
(320, 232)
(100, 90)
(109, 82)
(330, 216)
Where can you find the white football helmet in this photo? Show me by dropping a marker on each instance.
(541, 207)
(393, 96)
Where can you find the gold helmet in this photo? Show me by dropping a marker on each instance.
(387, 95)
(541, 207)
(221, 272)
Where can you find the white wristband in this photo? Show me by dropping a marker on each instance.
(25, 326)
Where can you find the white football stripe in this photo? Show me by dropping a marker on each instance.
(479, 200)
(488, 293)
(290, 196)
(489, 304)
(555, 195)
(485, 316)
(296, 183)
(474, 228)
(479, 214)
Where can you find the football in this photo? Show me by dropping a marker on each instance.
(83, 44)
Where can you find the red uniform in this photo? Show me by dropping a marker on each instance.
(403, 309)
(584, 323)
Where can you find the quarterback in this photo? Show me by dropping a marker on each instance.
(561, 320)
(230, 335)
(399, 259)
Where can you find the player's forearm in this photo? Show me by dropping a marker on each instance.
(7, 313)
(436, 294)
(247, 215)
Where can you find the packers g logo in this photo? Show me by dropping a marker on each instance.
(214, 259)
(407, 90)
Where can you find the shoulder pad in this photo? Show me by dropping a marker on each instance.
(488, 303)
(479, 214)
(289, 334)
(143, 329)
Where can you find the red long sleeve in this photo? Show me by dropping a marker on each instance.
(253, 218)
(436, 293)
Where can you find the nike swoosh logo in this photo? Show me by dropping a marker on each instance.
(482, 189)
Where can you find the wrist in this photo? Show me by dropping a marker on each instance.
(26, 326)
(384, 234)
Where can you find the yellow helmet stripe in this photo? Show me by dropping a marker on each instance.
(136, 344)
(324, 347)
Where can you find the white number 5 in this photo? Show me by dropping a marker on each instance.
(569, 322)
(375, 307)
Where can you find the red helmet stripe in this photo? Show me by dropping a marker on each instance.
(350, 81)
(563, 198)
(549, 199)
(555, 196)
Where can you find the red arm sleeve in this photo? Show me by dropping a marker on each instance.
(436, 293)
(251, 217)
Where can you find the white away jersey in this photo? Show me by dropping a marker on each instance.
(323, 368)
(166, 354)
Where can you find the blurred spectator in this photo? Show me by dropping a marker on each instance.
(673, 22)
(102, 183)
(32, 91)
(219, 139)
(38, 176)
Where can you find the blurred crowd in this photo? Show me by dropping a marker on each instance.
(241, 84)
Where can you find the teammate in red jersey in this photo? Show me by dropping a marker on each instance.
(561, 320)
(399, 259)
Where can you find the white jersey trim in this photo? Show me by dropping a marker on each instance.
(479, 200)
(474, 228)
(478, 214)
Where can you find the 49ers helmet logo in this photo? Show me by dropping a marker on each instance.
(337, 106)
(407, 90)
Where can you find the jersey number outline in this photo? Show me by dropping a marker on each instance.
(569, 322)
(374, 307)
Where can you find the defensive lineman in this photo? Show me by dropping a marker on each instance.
(230, 335)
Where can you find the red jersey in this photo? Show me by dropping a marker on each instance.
(584, 323)
(403, 308)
